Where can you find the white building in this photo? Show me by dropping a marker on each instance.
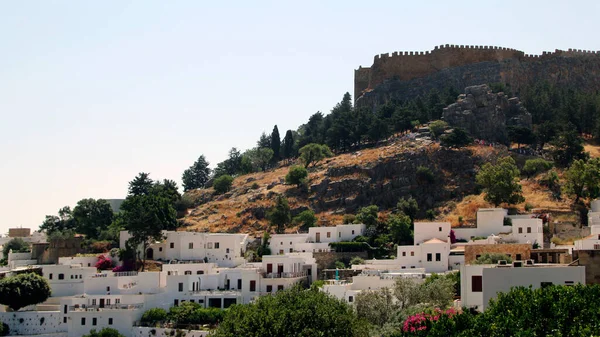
(480, 283)
(316, 240)
(590, 242)
(226, 250)
(523, 228)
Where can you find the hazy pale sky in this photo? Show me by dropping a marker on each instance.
(93, 92)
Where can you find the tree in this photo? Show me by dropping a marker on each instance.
(457, 138)
(313, 153)
(306, 218)
(264, 141)
(223, 184)
(24, 289)
(145, 217)
(583, 179)
(92, 217)
(520, 135)
(275, 143)
(568, 146)
(141, 184)
(260, 157)
(296, 175)
(288, 145)
(197, 175)
(437, 128)
(409, 207)
(17, 245)
(368, 216)
(153, 316)
(104, 332)
(501, 182)
(63, 222)
(492, 258)
(536, 166)
(279, 215)
(292, 312)
(378, 307)
(400, 229)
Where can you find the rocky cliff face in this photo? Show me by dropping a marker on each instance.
(487, 115)
(569, 72)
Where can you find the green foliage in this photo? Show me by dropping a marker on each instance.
(24, 289)
(17, 245)
(356, 260)
(4, 329)
(194, 313)
(153, 316)
(437, 128)
(500, 182)
(104, 332)
(259, 158)
(197, 175)
(409, 207)
(92, 217)
(63, 222)
(296, 175)
(368, 216)
(536, 166)
(275, 143)
(583, 179)
(399, 227)
(289, 145)
(528, 207)
(306, 218)
(520, 135)
(314, 153)
(339, 265)
(457, 138)
(492, 258)
(348, 218)
(293, 312)
(430, 214)
(264, 141)
(425, 175)
(568, 147)
(279, 215)
(141, 184)
(344, 246)
(223, 184)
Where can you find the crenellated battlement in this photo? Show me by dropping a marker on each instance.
(407, 65)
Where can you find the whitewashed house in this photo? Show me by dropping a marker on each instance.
(490, 221)
(316, 240)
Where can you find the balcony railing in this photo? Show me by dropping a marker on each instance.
(116, 274)
(106, 307)
(217, 292)
(284, 275)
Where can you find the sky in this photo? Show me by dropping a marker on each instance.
(94, 92)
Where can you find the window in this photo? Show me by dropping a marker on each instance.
(339, 234)
(180, 286)
(518, 257)
(107, 288)
(82, 320)
(188, 272)
(596, 246)
(216, 245)
(93, 301)
(71, 277)
(65, 309)
(227, 250)
(476, 283)
(280, 287)
(352, 234)
(528, 229)
(328, 234)
(50, 276)
(172, 245)
(176, 302)
(350, 299)
(209, 245)
(64, 320)
(61, 276)
(545, 284)
(438, 256)
(94, 321)
(110, 321)
(412, 253)
(403, 253)
(160, 249)
(520, 230)
(429, 257)
(191, 245)
(440, 229)
(117, 301)
(253, 285)
(269, 289)
(108, 301)
(239, 284)
(412, 267)
(403, 267)
(290, 244)
(200, 272)
(281, 252)
(192, 301)
(291, 250)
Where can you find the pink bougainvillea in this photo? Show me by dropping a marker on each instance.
(418, 322)
(104, 263)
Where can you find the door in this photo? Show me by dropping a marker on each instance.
(318, 236)
(269, 268)
(280, 269)
(150, 254)
(101, 303)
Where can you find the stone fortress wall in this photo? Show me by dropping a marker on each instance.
(405, 66)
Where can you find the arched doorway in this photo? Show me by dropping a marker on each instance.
(150, 254)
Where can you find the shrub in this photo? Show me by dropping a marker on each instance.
(356, 260)
(425, 175)
(349, 218)
(254, 186)
(528, 207)
(339, 265)
(492, 258)
(223, 184)
(296, 175)
(306, 218)
(153, 316)
(348, 246)
(437, 128)
(104, 263)
(457, 138)
(4, 329)
(536, 166)
(24, 289)
(430, 214)
(17, 245)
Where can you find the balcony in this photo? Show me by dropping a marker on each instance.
(116, 274)
(106, 307)
(216, 293)
(284, 275)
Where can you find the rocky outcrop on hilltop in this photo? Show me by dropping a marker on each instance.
(486, 115)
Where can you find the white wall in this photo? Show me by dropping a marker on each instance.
(30, 322)
(428, 230)
(587, 243)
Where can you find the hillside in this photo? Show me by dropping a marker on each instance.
(381, 175)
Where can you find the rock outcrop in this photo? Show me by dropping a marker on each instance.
(486, 115)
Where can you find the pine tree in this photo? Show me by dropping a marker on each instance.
(275, 144)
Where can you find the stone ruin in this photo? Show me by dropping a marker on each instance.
(486, 115)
